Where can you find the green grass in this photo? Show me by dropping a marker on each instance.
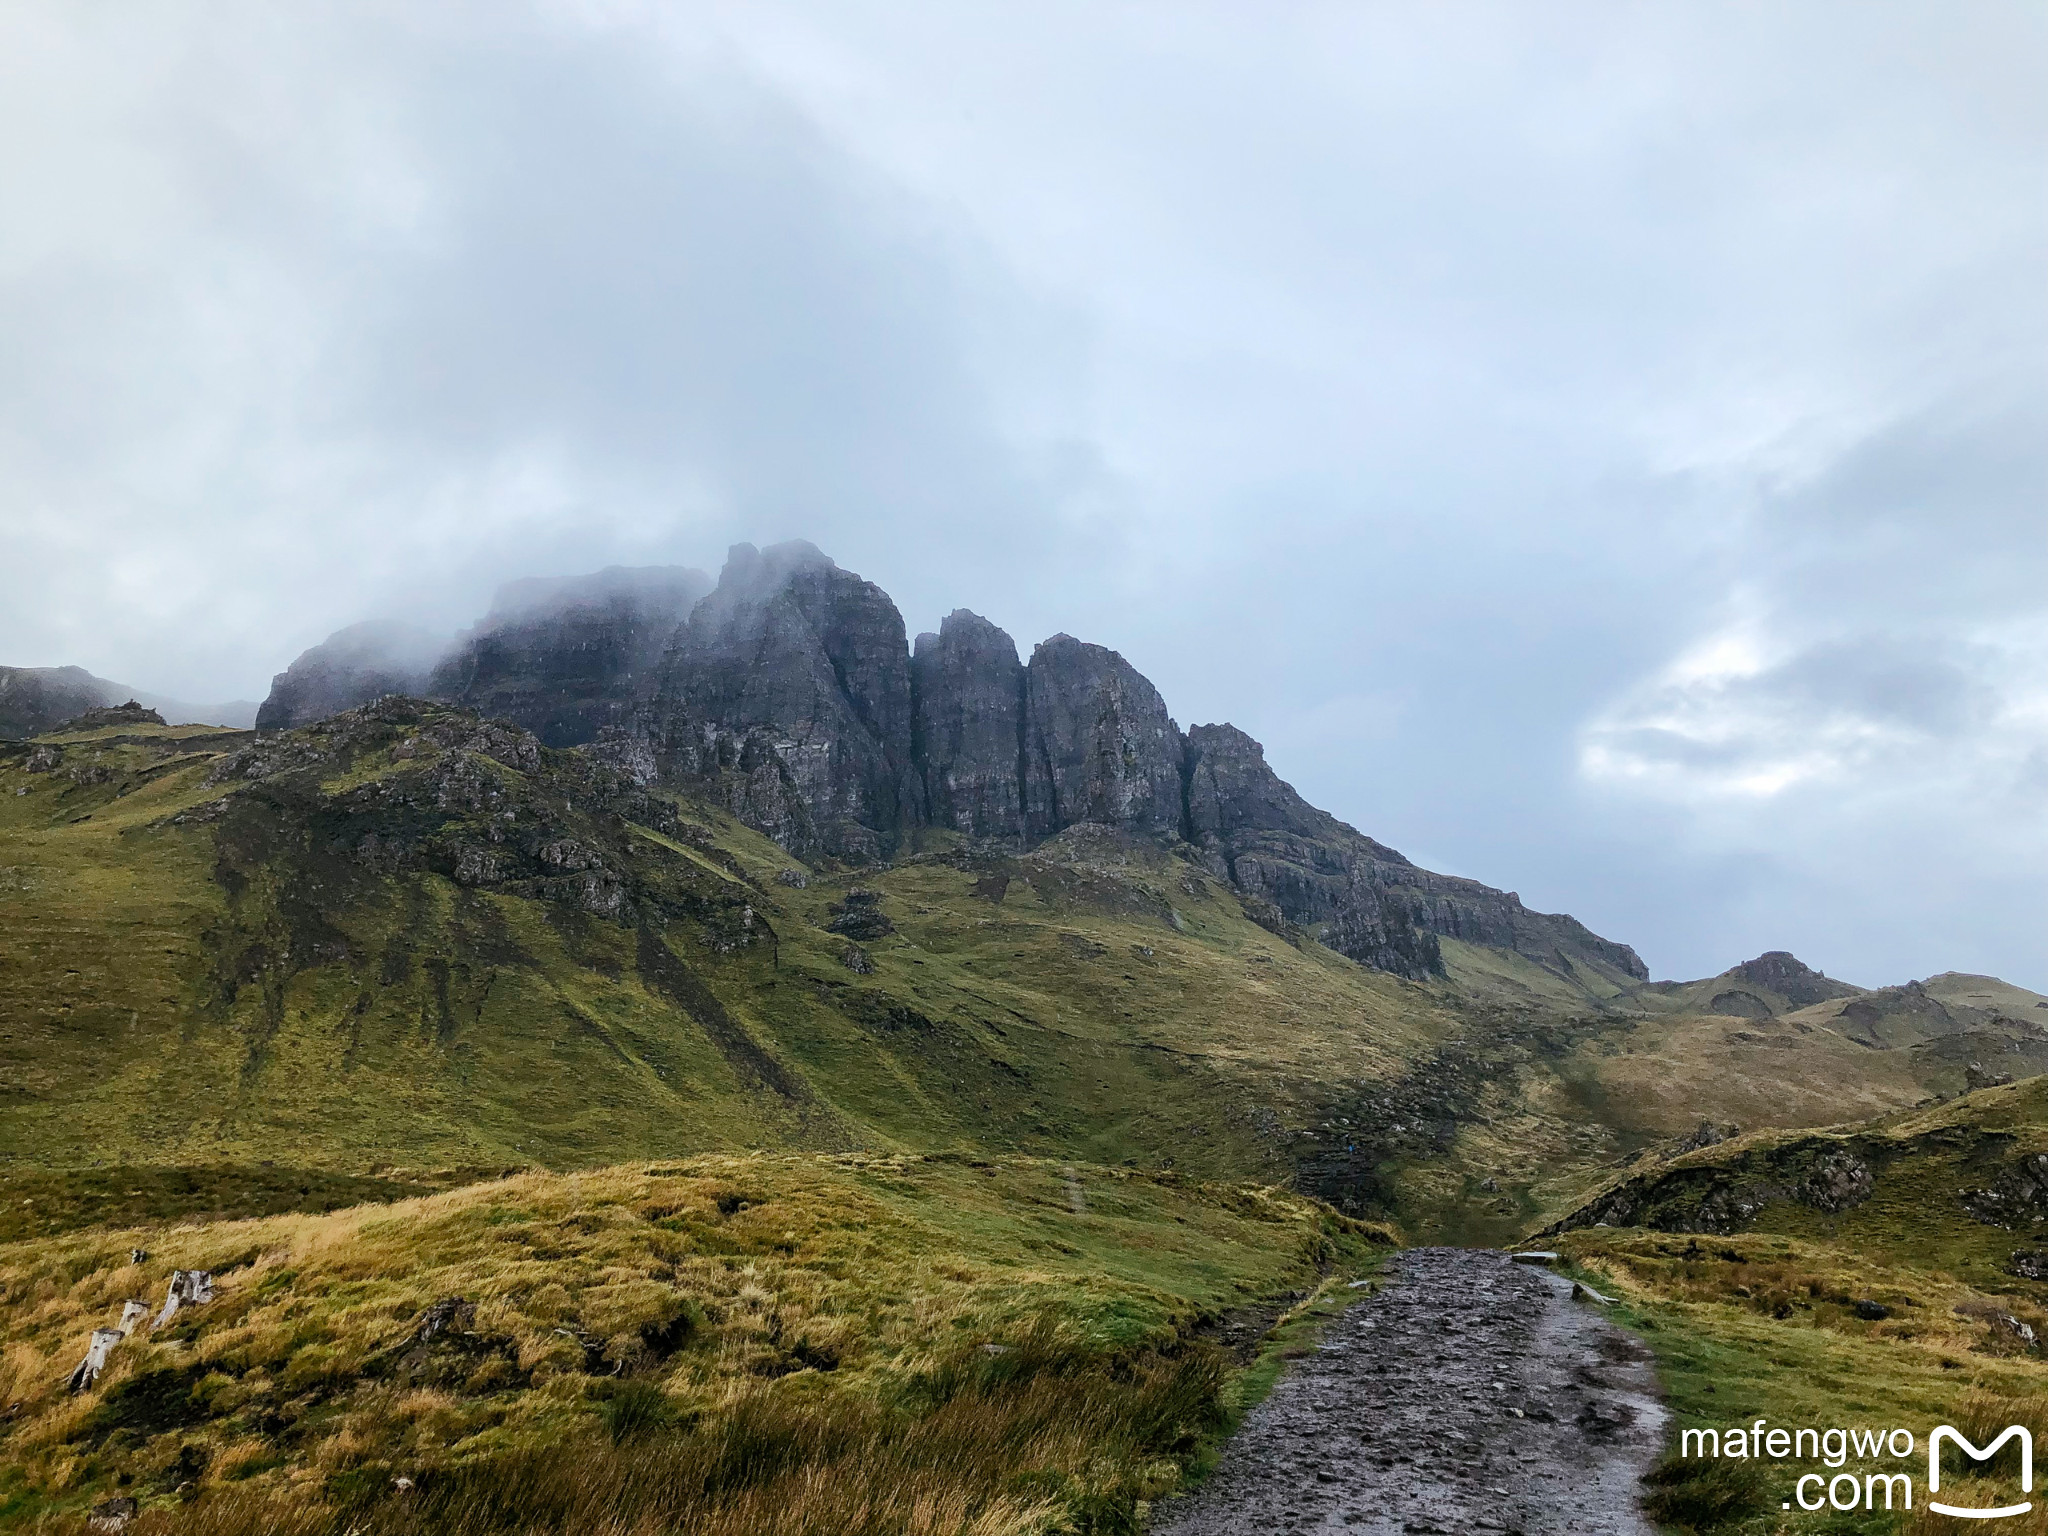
(207, 974)
(231, 990)
(37, 1202)
(1765, 1322)
(665, 1303)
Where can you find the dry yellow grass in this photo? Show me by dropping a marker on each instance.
(1766, 1326)
(880, 1315)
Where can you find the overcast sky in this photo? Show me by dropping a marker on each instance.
(1599, 448)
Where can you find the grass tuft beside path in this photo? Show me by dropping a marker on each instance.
(758, 1343)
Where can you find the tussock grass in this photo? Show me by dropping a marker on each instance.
(773, 1343)
(1761, 1325)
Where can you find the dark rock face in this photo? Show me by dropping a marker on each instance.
(1798, 983)
(741, 769)
(810, 662)
(1099, 745)
(348, 669)
(1354, 894)
(566, 658)
(788, 695)
(1316, 871)
(38, 699)
(968, 686)
(2017, 1200)
(860, 917)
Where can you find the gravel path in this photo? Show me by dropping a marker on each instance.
(1471, 1394)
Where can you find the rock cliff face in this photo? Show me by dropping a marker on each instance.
(788, 694)
(1099, 745)
(1354, 894)
(348, 669)
(968, 741)
(564, 659)
(791, 645)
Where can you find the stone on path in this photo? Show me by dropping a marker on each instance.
(1466, 1396)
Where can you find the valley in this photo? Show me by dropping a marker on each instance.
(667, 950)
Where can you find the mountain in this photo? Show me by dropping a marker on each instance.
(789, 694)
(795, 880)
(567, 657)
(405, 930)
(408, 935)
(714, 996)
(1771, 985)
(350, 667)
(35, 700)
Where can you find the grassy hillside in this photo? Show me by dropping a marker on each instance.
(792, 1342)
(899, 1198)
(215, 969)
(405, 939)
(1889, 1274)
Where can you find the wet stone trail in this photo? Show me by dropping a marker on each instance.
(1472, 1394)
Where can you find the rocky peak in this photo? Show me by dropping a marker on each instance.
(566, 657)
(1232, 790)
(1099, 744)
(1799, 984)
(788, 693)
(349, 668)
(968, 687)
(790, 642)
(1351, 892)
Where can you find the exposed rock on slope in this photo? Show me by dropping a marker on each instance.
(1773, 984)
(566, 658)
(790, 643)
(1354, 894)
(969, 739)
(788, 695)
(1979, 1159)
(423, 788)
(1798, 983)
(1099, 746)
(349, 668)
(130, 713)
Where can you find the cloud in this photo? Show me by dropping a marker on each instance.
(1597, 448)
(422, 301)
(1723, 722)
